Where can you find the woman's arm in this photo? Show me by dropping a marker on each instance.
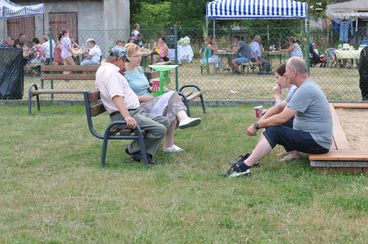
(144, 98)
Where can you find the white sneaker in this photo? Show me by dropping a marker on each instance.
(189, 122)
(173, 149)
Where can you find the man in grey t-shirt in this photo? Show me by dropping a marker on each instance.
(312, 128)
(243, 54)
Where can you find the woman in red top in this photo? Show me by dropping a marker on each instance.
(57, 52)
(161, 49)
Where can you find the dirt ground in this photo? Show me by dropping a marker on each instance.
(355, 125)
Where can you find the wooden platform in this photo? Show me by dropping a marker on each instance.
(341, 158)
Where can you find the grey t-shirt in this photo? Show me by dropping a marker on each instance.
(244, 50)
(313, 113)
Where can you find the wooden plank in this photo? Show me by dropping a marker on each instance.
(351, 105)
(339, 170)
(57, 91)
(61, 68)
(94, 96)
(193, 95)
(338, 133)
(97, 109)
(341, 155)
(68, 76)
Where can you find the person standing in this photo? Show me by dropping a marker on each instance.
(122, 104)
(294, 49)
(363, 73)
(312, 126)
(66, 48)
(46, 48)
(135, 31)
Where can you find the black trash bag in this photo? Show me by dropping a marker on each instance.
(11, 73)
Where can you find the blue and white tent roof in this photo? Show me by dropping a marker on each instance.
(11, 10)
(256, 9)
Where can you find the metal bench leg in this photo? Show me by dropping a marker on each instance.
(30, 95)
(202, 103)
(104, 148)
(143, 149)
(38, 102)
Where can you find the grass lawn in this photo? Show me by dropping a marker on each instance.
(53, 190)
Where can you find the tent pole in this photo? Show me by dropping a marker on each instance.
(214, 26)
(43, 24)
(308, 43)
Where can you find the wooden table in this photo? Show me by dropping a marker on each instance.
(225, 57)
(276, 54)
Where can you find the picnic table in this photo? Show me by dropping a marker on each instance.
(225, 57)
(276, 54)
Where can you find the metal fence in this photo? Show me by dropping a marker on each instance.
(338, 77)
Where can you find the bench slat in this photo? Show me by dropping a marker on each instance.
(57, 91)
(60, 68)
(94, 96)
(97, 109)
(68, 76)
(194, 95)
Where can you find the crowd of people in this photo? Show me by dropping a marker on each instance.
(245, 53)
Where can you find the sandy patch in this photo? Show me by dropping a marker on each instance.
(355, 125)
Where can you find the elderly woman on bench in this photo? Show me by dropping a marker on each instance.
(168, 104)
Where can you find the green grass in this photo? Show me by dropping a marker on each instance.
(52, 189)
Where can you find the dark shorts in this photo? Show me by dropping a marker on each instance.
(292, 139)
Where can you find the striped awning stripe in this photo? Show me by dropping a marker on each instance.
(11, 10)
(256, 9)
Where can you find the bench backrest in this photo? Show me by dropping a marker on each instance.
(94, 107)
(76, 72)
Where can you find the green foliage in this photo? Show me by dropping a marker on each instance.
(154, 15)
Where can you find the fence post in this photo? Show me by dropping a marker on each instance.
(50, 41)
(176, 57)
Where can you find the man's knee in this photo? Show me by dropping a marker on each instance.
(272, 134)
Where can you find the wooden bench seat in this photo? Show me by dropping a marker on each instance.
(65, 73)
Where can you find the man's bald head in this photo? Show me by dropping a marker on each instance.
(297, 64)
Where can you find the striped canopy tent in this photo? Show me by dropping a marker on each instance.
(256, 9)
(11, 10)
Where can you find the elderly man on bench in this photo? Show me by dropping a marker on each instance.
(123, 104)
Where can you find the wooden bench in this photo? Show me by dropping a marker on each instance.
(57, 72)
(340, 158)
(116, 130)
(187, 92)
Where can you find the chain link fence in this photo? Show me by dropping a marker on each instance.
(334, 69)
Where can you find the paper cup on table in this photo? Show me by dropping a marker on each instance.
(156, 85)
(258, 111)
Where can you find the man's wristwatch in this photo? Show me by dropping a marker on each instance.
(256, 126)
